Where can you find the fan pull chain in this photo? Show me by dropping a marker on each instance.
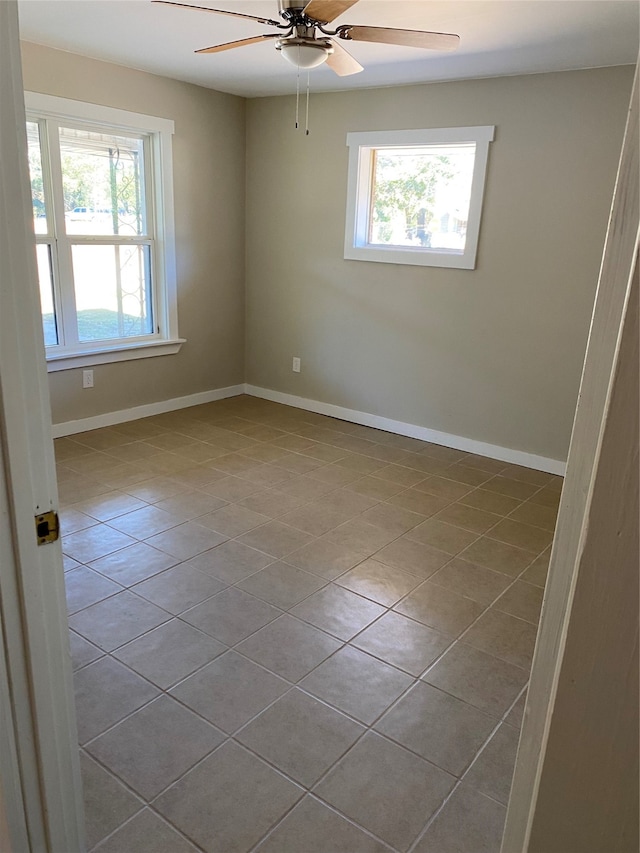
(306, 126)
(298, 90)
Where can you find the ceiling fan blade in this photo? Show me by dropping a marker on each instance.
(219, 12)
(342, 62)
(326, 11)
(407, 38)
(218, 48)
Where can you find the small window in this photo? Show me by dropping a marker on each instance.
(102, 207)
(415, 196)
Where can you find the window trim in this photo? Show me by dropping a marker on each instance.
(167, 341)
(359, 186)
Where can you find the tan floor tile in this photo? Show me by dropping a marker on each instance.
(469, 821)
(133, 564)
(71, 521)
(438, 727)
(210, 803)
(511, 488)
(546, 497)
(300, 736)
(357, 684)
(231, 615)
(231, 562)
(275, 538)
(460, 473)
(477, 678)
(230, 691)
(440, 608)
(515, 716)
(490, 501)
(443, 488)
(116, 620)
(325, 558)
(232, 520)
(492, 772)
(522, 600)
(395, 802)
(82, 651)
(306, 488)
(402, 642)
(527, 475)
(413, 557)
(335, 475)
(421, 502)
(134, 452)
(270, 502)
(521, 535)
(338, 611)
(107, 803)
(484, 463)
(106, 692)
(362, 465)
(480, 584)
(145, 522)
(84, 587)
(445, 454)
(144, 752)
(169, 653)
(538, 570)
(232, 488)
(504, 636)
(314, 828)
(95, 542)
(268, 476)
(381, 583)
(375, 488)
(157, 489)
(282, 585)
(538, 516)
(187, 540)
(469, 518)
(288, 647)
(179, 588)
(315, 518)
(360, 535)
(189, 505)
(444, 537)
(147, 833)
(498, 556)
(399, 475)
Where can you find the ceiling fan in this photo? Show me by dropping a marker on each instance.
(306, 42)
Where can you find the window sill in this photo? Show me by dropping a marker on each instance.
(415, 256)
(109, 354)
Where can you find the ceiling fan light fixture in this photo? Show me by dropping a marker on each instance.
(304, 53)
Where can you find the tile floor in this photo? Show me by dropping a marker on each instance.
(293, 634)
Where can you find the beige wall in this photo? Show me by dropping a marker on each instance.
(209, 165)
(493, 354)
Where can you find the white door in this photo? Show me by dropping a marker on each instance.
(39, 767)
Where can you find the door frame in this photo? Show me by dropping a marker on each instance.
(599, 372)
(39, 759)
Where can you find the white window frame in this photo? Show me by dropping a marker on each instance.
(165, 340)
(362, 146)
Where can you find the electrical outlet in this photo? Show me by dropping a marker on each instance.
(296, 365)
(87, 378)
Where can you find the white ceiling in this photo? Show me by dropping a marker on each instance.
(498, 37)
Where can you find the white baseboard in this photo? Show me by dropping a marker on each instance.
(134, 414)
(458, 442)
(493, 451)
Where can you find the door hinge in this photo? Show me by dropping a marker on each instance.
(47, 527)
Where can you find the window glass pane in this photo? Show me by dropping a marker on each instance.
(112, 289)
(45, 278)
(421, 196)
(103, 183)
(37, 185)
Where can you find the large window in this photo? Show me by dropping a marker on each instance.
(415, 196)
(102, 207)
